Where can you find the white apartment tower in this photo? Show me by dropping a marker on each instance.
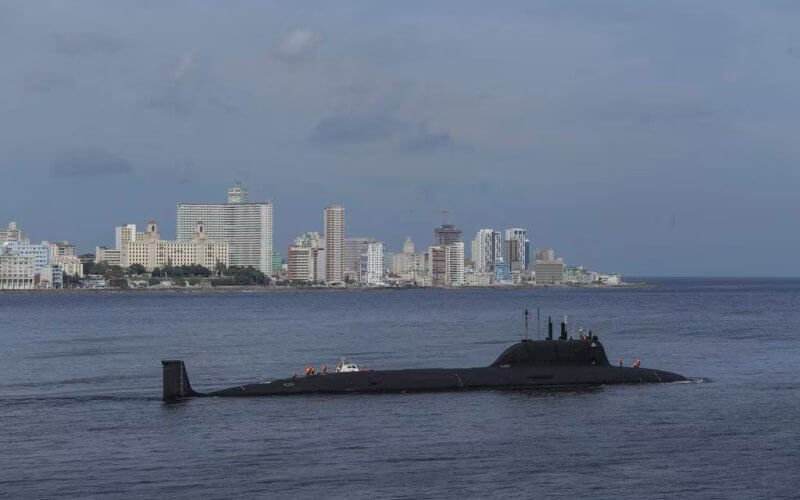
(334, 243)
(487, 248)
(372, 263)
(245, 226)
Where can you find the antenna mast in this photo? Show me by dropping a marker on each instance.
(526, 324)
(538, 325)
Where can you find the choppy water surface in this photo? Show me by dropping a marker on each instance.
(80, 383)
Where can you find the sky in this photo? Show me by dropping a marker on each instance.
(641, 137)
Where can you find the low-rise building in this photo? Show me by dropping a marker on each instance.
(16, 270)
(549, 269)
(477, 279)
(577, 276)
(502, 273)
(110, 256)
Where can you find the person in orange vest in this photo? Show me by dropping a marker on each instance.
(637, 363)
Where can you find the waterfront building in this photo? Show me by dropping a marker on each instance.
(111, 256)
(319, 264)
(445, 264)
(16, 270)
(372, 263)
(63, 255)
(517, 248)
(124, 235)
(246, 227)
(477, 279)
(39, 253)
(549, 269)
(351, 261)
(408, 264)
(333, 220)
(12, 233)
(70, 264)
(446, 235)
(502, 273)
(437, 265)
(609, 279)
(577, 276)
(151, 251)
(300, 264)
(277, 261)
(487, 248)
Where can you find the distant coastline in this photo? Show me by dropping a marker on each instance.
(290, 289)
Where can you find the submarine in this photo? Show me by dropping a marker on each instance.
(550, 363)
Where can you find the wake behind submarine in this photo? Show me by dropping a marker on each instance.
(559, 363)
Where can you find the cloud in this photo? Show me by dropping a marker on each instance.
(45, 81)
(426, 142)
(297, 44)
(172, 101)
(90, 163)
(75, 44)
(182, 68)
(353, 128)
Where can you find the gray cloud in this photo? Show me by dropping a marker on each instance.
(353, 128)
(297, 45)
(90, 163)
(45, 81)
(426, 142)
(75, 44)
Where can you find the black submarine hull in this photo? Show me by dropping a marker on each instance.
(176, 382)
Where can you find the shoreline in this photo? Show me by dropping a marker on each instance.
(291, 289)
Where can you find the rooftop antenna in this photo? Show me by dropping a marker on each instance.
(526, 324)
(444, 215)
(538, 325)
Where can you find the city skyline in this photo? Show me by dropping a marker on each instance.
(608, 134)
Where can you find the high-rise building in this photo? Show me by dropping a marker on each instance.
(238, 194)
(124, 235)
(445, 265)
(245, 226)
(455, 264)
(151, 251)
(372, 263)
(333, 219)
(10, 234)
(517, 249)
(437, 265)
(486, 249)
(446, 235)
(351, 260)
(300, 264)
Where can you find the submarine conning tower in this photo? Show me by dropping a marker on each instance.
(553, 353)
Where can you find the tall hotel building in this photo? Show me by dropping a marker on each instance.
(245, 226)
(334, 243)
